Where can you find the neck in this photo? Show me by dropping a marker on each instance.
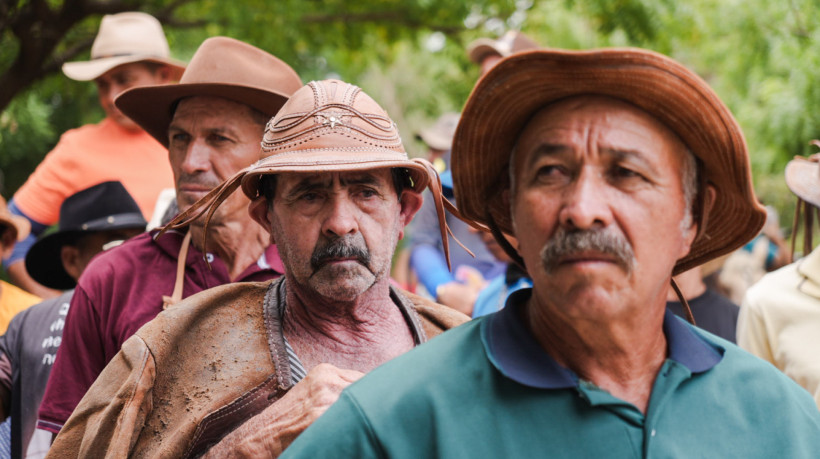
(621, 355)
(359, 334)
(238, 243)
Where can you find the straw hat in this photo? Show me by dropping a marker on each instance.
(505, 98)
(510, 43)
(221, 67)
(326, 126)
(19, 226)
(104, 207)
(439, 136)
(125, 38)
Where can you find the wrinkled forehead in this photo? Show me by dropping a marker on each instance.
(215, 109)
(605, 124)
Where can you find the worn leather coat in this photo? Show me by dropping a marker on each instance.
(199, 370)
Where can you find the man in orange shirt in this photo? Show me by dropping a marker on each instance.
(130, 50)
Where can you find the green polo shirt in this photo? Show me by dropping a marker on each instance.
(487, 389)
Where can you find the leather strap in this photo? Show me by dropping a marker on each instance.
(176, 296)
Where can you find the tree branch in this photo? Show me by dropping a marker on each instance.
(380, 16)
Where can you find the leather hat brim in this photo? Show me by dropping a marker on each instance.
(151, 107)
(90, 70)
(44, 261)
(802, 178)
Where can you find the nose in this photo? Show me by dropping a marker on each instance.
(586, 203)
(340, 219)
(197, 157)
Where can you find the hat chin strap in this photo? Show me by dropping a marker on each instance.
(686, 309)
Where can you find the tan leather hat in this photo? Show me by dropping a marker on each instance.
(19, 226)
(125, 38)
(510, 43)
(326, 126)
(520, 85)
(221, 67)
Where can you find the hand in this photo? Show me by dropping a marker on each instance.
(268, 433)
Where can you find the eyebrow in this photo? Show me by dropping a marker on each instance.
(619, 154)
(311, 183)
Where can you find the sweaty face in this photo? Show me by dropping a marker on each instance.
(210, 139)
(597, 205)
(113, 82)
(336, 232)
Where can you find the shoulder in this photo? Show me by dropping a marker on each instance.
(751, 378)
(436, 318)
(121, 258)
(225, 304)
(407, 377)
(770, 284)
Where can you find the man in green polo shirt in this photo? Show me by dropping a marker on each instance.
(614, 169)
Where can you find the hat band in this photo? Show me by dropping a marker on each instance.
(104, 223)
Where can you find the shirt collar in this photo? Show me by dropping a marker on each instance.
(513, 350)
(171, 243)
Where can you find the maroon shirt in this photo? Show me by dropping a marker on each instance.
(118, 293)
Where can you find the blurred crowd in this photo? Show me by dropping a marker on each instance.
(129, 221)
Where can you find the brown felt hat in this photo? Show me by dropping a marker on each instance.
(221, 67)
(506, 98)
(125, 38)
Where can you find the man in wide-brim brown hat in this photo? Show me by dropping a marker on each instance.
(780, 318)
(614, 169)
(258, 362)
(211, 123)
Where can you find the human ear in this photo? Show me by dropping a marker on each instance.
(70, 257)
(260, 212)
(410, 202)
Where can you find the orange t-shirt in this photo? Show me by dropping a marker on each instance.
(12, 301)
(90, 155)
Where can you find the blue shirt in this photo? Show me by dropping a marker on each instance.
(487, 389)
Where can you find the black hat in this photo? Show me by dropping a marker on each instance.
(103, 207)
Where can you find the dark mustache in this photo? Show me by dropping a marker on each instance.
(566, 243)
(339, 248)
(193, 179)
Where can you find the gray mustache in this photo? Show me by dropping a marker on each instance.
(566, 243)
(339, 248)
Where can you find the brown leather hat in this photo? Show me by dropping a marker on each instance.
(508, 95)
(326, 126)
(221, 67)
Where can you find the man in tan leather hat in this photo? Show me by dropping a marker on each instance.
(614, 169)
(211, 123)
(335, 192)
(780, 317)
(129, 51)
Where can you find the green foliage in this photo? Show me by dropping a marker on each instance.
(760, 56)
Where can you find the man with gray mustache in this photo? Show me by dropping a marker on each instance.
(614, 170)
(241, 369)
